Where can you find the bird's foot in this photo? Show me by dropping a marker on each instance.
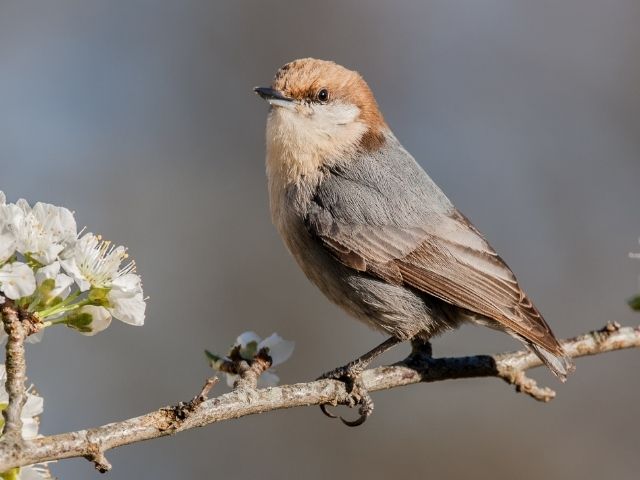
(358, 395)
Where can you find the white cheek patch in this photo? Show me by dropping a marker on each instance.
(333, 126)
(313, 124)
(335, 114)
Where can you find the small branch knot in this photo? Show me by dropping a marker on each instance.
(530, 387)
(611, 327)
(180, 412)
(601, 335)
(96, 455)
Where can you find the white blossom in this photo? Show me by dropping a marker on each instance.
(62, 283)
(278, 349)
(62, 279)
(33, 407)
(96, 263)
(126, 301)
(17, 280)
(41, 232)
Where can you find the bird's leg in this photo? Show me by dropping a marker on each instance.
(350, 375)
(356, 367)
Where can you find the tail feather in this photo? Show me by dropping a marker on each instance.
(560, 364)
(558, 361)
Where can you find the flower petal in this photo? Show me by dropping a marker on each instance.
(39, 471)
(47, 253)
(279, 349)
(58, 221)
(7, 244)
(29, 428)
(33, 407)
(63, 286)
(17, 280)
(127, 308)
(129, 283)
(71, 267)
(42, 232)
(247, 337)
(47, 272)
(89, 320)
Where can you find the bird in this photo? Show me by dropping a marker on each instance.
(371, 229)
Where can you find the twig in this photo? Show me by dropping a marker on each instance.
(182, 410)
(250, 401)
(204, 393)
(96, 455)
(250, 372)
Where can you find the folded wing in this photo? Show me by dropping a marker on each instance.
(448, 259)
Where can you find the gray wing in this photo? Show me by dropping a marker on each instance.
(400, 227)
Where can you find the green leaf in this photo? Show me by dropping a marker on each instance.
(635, 303)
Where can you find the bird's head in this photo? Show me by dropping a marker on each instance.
(323, 108)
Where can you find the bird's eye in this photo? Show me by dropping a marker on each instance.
(323, 95)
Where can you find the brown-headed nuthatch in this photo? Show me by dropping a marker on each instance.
(369, 227)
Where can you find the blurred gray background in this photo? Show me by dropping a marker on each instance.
(139, 116)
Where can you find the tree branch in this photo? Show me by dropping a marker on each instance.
(16, 369)
(243, 401)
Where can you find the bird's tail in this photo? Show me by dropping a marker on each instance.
(560, 364)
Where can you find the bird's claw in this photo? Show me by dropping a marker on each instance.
(365, 402)
(324, 410)
(358, 394)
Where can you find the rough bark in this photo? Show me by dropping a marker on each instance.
(16, 368)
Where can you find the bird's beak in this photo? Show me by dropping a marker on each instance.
(274, 97)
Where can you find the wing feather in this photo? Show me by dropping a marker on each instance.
(449, 260)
